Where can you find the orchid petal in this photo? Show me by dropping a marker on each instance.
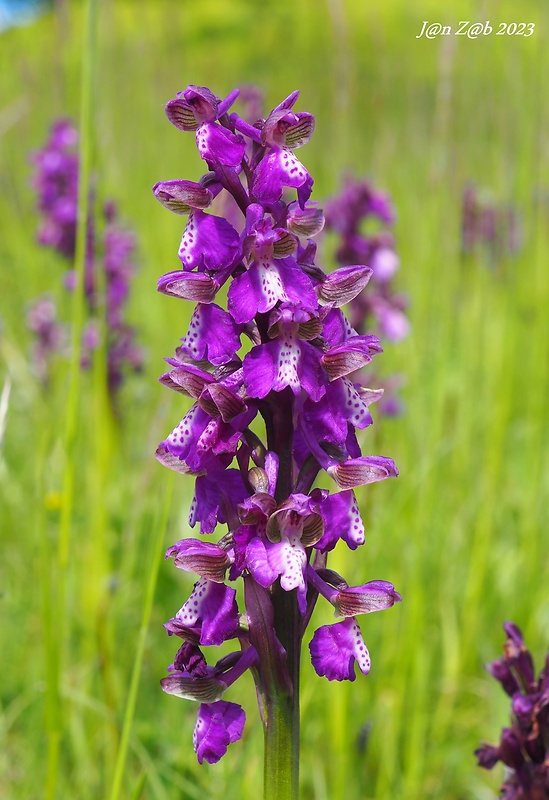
(217, 725)
(278, 168)
(335, 648)
(218, 146)
(208, 242)
(213, 606)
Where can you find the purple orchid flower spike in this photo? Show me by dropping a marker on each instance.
(109, 253)
(524, 747)
(378, 309)
(274, 405)
(56, 184)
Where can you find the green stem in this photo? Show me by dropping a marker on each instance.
(85, 157)
(281, 765)
(275, 620)
(54, 733)
(155, 561)
(281, 442)
(281, 723)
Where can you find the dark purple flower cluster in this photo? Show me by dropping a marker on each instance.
(523, 747)
(272, 406)
(486, 226)
(56, 183)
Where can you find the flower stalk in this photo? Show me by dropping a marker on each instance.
(281, 740)
(279, 679)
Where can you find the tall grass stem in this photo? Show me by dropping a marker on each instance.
(155, 560)
(72, 406)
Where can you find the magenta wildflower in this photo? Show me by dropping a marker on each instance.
(56, 184)
(279, 357)
(524, 747)
(348, 214)
(110, 250)
(378, 308)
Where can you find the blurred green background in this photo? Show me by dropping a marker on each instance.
(462, 533)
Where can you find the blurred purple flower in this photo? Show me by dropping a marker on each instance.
(378, 308)
(347, 214)
(56, 182)
(488, 227)
(50, 335)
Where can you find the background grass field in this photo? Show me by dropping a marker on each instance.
(462, 533)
